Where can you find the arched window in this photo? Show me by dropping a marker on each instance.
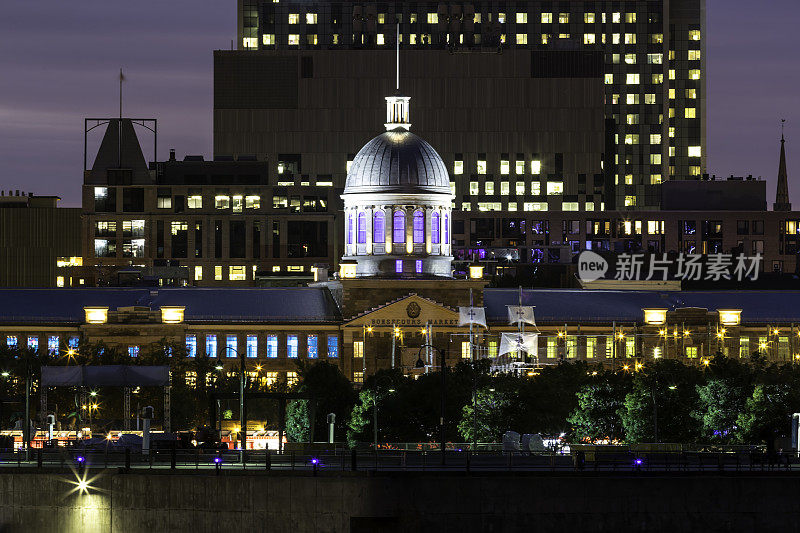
(419, 227)
(446, 229)
(435, 228)
(379, 227)
(362, 227)
(349, 229)
(399, 227)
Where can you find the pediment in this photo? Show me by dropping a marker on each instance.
(410, 310)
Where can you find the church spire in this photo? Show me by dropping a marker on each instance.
(782, 194)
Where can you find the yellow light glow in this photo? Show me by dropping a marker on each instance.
(172, 314)
(476, 272)
(258, 368)
(409, 246)
(560, 333)
(655, 317)
(662, 332)
(96, 315)
(706, 362)
(625, 367)
(686, 332)
(423, 331)
(347, 270)
(620, 336)
(730, 317)
(775, 331)
(369, 329)
(763, 345)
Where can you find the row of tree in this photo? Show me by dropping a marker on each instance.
(727, 401)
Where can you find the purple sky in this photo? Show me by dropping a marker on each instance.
(59, 63)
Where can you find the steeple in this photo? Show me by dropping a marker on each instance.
(397, 106)
(782, 194)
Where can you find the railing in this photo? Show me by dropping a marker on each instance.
(338, 460)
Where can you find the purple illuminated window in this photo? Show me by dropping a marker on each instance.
(379, 227)
(435, 228)
(349, 229)
(398, 266)
(446, 229)
(362, 228)
(418, 266)
(399, 227)
(419, 227)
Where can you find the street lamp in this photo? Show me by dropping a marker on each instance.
(375, 411)
(443, 362)
(242, 420)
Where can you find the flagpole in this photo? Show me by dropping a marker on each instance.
(471, 349)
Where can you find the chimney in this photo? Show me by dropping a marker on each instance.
(172, 154)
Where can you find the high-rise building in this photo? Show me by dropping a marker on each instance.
(559, 106)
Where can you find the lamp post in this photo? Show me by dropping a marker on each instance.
(242, 419)
(443, 368)
(375, 412)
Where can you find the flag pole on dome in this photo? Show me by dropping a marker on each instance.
(397, 55)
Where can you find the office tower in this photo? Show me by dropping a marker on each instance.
(533, 105)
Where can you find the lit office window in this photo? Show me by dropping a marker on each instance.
(474, 188)
(519, 188)
(333, 346)
(632, 79)
(294, 18)
(690, 112)
(481, 166)
(522, 18)
(292, 344)
(133, 351)
(252, 201)
(222, 201)
(252, 346)
(694, 35)
(588, 18)
(488, 187)
(52, 345)
(294, 39)
(268, 39)
(695, 151)
(292, 379)
(311, 18)
(237, 273)
(555, 188)
(191, 345)
(547, 18)
(198, 273)
(231, 345)
(211, 345)
(522, 38)
(563, 18)
(195, 201)
(312, 346)
(33, 343)
(272, 346)
(358, 349)
(11, 341)
(458, 168)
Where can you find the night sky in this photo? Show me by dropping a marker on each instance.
(59, 63)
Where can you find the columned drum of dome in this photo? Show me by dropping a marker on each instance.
(397, 202)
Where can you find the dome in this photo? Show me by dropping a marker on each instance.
(397, 161)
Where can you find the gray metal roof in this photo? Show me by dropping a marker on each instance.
(273, 305)
(397, 161)
(586, 306)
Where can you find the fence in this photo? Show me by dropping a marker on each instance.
(622, 461)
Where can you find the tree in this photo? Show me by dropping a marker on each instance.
(332, 392)
(720, 401)
(767, 413)
(597, 415)
(493, 415)
(547, 399)
(663, 396)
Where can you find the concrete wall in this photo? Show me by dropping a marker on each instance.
(400, 502)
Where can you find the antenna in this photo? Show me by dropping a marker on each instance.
(397, 54)
(783, 123)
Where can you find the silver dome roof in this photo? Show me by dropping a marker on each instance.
(397, 161)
